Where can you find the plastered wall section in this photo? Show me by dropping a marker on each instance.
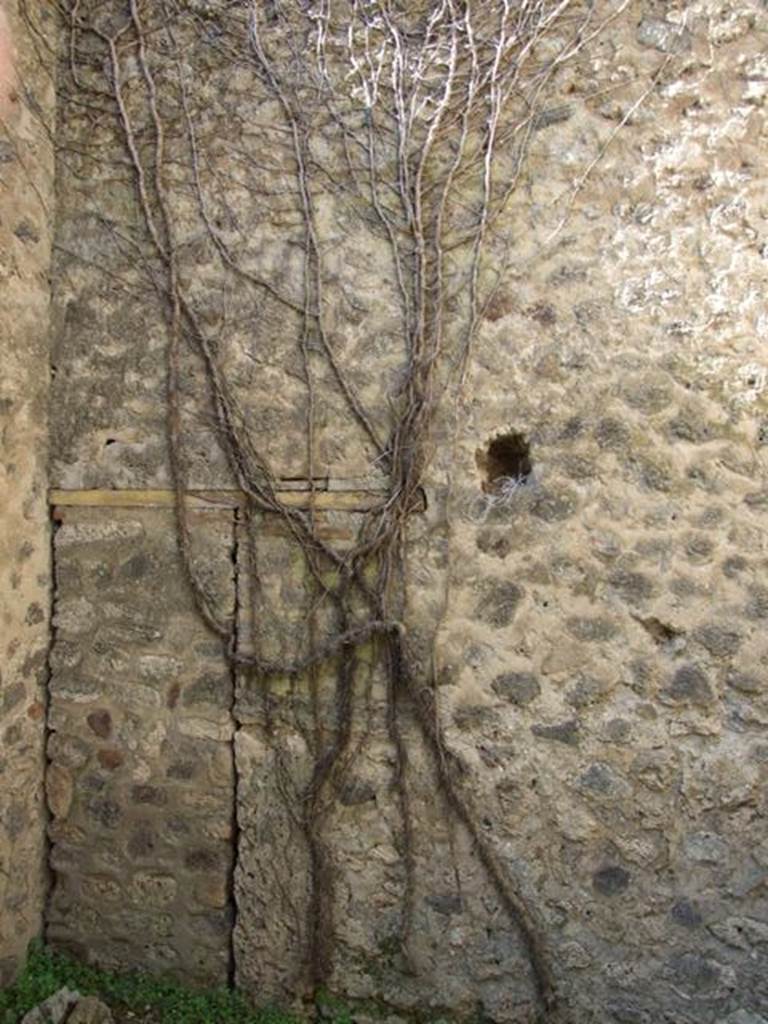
(26, 212)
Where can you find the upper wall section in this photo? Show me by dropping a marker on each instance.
(635, 235)
(234, 223)
(26, 211)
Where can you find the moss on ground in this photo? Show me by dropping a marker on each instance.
(136, 996)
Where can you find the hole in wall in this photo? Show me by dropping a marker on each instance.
(109, 441)
(505, 460)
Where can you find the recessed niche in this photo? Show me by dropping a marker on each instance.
(505, 459)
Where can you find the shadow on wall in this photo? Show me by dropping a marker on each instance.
(7, 76)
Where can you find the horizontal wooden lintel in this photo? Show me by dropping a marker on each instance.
(341, 500)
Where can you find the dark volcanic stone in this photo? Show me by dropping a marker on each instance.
(618, 730)
(490, 542)
(106, 812)
(733, 565)
(699, 547)
(689, 685)
(183, 771)
(633, 586)
(744, 682)
(598, 778)
(719, 640)
(587, 691)
(686, 913)
(208, 689)
(111, 759)
(649, 392)
(612, 434)
(356, 791)
(26, 231)
(499, 602)
(13, 696)
(100, 722)
(450, 903)
(610, 880)
(688, 426)
(149, 795)
(519, 688)
(137, 566)
(142, 842)
(654, 473)
(202, 860)
(757, 606)
(694, 972)
(562, 732)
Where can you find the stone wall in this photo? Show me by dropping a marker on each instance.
(600, 629)
(26, 215)
(140, 782)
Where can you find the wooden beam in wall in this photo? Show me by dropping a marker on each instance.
(330, 500)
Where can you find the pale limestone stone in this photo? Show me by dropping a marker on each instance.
(55, 1009)
(59, 790)
(90, 1010)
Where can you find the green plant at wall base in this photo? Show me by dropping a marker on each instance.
(148, 997)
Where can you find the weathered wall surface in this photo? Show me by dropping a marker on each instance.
(605, 647)
(26, 214)
(601, 647)
(140, 781)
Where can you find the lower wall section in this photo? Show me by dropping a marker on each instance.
(140, 782)
(622, 794)
(462, 955)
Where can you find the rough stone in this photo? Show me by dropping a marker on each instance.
(705, 848)
(695, 973)
(561, 732)
(742, 1016)
(90, 1010)
(59, 790)
(612, 434)
(633, 586)
(553, 506)
(720, 640)
(689, 685)
(520, 688)
(499, 602)
(663, 35)
(100, 723)
(54, 1010)
(685, 912)
(609, 881)
(596, 630)
(744, 682)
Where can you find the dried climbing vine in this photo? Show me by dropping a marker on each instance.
(416, 117)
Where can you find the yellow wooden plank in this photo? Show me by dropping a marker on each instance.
(103, 498)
